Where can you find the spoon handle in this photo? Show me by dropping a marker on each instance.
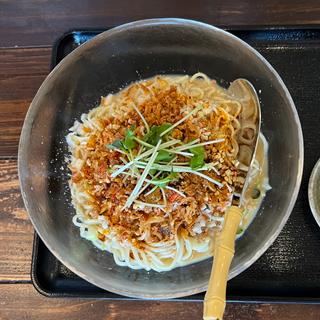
(215, 298)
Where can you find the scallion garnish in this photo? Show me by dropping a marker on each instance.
(154, 163)
(153, 136)
(136, 189)
(197, 161)
(129, 142)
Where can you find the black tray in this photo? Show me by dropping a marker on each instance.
(290, 269)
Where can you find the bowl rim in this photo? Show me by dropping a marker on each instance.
(27, 125)
(314, 177)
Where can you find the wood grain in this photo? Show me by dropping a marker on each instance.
(16, 232)
(36, 307)
(30, 23)
(22, 70)
(40, 22)
(21, 74)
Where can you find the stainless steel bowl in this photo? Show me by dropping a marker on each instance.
(314, 192)
(105, 64)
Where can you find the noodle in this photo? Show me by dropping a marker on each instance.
(155, 166)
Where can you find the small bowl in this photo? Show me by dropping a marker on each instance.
(314, 192)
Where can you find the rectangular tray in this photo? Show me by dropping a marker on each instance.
(290, 269)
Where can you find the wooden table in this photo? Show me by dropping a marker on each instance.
(27, 32)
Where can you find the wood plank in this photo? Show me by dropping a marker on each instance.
(16, 232)
(21, 74)
(40, 22)
(34, 306)
(12, 114)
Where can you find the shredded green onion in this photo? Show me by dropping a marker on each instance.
(147, 158)
(181, 169)
(181, 120)
(141, 116)
(135, 192)
(184, 147)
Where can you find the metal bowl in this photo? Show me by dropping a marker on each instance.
(110, 61)
(314, 192)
